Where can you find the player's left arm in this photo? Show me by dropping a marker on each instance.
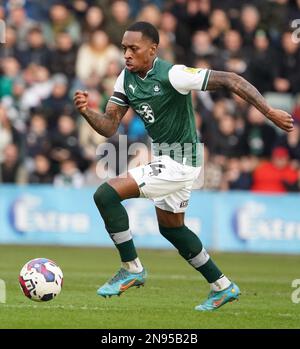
(243, 88)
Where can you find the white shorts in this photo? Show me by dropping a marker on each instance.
(167, 182)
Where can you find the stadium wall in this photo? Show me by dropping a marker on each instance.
(229, 221)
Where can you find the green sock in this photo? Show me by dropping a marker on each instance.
(210, 271)
(191, 249)
(116, 221)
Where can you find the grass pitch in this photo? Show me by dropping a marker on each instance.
(167, 301)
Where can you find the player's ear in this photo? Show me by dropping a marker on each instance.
(153, 49)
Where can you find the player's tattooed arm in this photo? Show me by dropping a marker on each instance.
(243, 88)
(106, 123)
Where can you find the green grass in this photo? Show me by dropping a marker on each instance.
(167, 301)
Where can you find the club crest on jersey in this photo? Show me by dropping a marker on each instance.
(156, 89)
(146, 112)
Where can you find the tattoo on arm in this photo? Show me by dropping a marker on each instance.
(239, 86)
(105, 124)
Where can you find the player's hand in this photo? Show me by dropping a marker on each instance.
(81, 100)
(282, 119)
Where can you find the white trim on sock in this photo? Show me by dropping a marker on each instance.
(221, 284)
(134, 266)
(200, 259)
(122, 236)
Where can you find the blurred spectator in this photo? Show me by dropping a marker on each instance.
(10, 48)
(262, 56)
(36, 51)
(202, 47)
(250, 19)
(291, 141)
(228, 142)
(11, 170)
(58, 102)
(277, 175)
(210, 123)
(289, 60)
(37, 137)
(259, 135)
(238, 174)
(40, 86)
(2, 12)
(150, 13)
(10, 70)
(276, 17)
(42, 171)
(65, 142)
(80, 7)
(234, 55)
(6, 132)
(61, 20)
(69, 175)
(198, 14)
(94, 20)
(136, 6)
(177, 33)
(166, 50)
(94, 56)
(212, 172)
(12, 104)
(219, 25)
(63, 56)
(119, 21)
(17, 19)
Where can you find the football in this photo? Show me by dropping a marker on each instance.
(41, 279)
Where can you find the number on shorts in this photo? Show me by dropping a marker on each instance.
(156, 168)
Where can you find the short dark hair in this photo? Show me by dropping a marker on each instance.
(147, 29)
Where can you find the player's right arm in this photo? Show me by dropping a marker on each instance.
(105, 124)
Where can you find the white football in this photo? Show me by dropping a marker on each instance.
(41, 279)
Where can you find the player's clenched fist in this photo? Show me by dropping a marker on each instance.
(81, 100)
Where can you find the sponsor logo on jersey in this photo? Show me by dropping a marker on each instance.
(192, 70)
(146, 112)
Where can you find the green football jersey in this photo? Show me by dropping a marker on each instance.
(163, 101)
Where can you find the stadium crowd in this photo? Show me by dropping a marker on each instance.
(54, 47)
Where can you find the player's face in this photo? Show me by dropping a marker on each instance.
(139, 52)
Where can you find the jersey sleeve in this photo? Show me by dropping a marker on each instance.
(185, 79)
(119, 96)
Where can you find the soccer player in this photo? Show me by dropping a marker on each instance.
(160, 93)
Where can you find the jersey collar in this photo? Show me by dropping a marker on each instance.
(149, 71)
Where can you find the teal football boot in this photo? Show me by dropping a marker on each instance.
(216, 299)
(121, 282)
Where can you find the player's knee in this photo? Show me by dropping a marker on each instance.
(105, 196)
(169, 232)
